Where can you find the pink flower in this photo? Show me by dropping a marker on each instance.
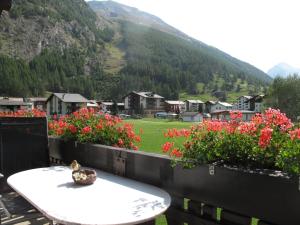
(295, 134)
(265, 137)
(235, 115)
(72, 129)
(167, 146)
(86, 130)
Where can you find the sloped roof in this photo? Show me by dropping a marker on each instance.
(225, 104)
(148, 94)
(7, 102)
(256, 98)
(107, 103)
(195, 101)
(69, 97)
(211, 102)
(174, 102)
(14, 99)
(145, 94)
(37, 99)
(245, 96)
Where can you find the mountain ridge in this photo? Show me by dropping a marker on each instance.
(65, 46)
(283, 70)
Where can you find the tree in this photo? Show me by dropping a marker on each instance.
(114, 108)
(284, 94)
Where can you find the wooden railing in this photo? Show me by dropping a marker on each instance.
(206, 195)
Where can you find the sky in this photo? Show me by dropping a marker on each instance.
(260, 32)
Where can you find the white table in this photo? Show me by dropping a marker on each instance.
(110, 200)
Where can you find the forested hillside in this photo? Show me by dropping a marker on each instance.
(165, 60)
(169, 64)
(51, 46)
(64, 46)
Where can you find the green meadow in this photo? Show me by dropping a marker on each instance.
(153, 130)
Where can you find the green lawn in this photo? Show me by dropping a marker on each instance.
(153, 138)
(153, 132)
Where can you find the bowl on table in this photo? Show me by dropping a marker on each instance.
(84, 176)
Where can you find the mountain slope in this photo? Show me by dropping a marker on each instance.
(36, 24)
(117, 11)
(120, 12)
(65, 46)
(167, 62)
(283, 70)
(61, 43)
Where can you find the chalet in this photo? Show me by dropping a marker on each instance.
(174, 106)
(92, 104)
(224, 115)
(208, 106)
(221, 106)
(143, 102)
(194, 105)
(105, 106)
(121, 106)
(65, 103)
(243, 103)
(256, 103)
(191, 117)
(38, 103)
(9, 104)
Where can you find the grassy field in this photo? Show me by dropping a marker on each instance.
(153, 132)
(153, 138)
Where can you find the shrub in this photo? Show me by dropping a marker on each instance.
(268, 141)
(86, 126)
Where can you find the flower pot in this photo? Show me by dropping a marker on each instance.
(263, 195)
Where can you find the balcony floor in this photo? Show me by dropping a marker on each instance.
(21, 212)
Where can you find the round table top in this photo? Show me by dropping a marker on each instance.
(110, 200)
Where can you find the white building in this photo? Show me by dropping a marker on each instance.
(10, 104)
(174, 106)
(256, 103)
(221, 106)
(65, 103)
(148, 102)
(194, 105)
(191, 117)
(243, 103)
(224, 115)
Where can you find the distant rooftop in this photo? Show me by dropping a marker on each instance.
(69, 97)
(225, 104)
(146, 94)
(175, 102)
(15, 99)
(37, 99)
(195, 101)
(245, 96)
(12, 103)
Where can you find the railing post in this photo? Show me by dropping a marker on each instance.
(173, 218)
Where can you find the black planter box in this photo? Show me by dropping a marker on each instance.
(271, 198)
(263, 196)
